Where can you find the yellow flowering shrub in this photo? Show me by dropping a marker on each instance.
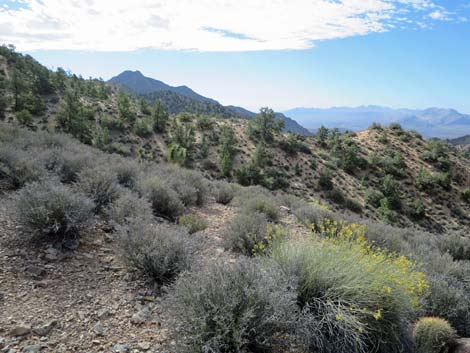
(272, 234)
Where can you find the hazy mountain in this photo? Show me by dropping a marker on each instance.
(463, 140)
(432, 122)
(183, 98)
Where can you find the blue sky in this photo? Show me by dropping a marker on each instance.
(403, 53)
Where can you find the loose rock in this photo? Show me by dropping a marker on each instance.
(20, 331)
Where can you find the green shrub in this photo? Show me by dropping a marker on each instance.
(395, 127)
(418, 210)
(385, 211)
(190, 185)
(100, 185)
(128, 207)
(325, 181)
(24, 118)
(48, 208)
(336, 196)
(466, 195)
(350, 300)
(165, 201)
(159, 252)
(432, 335)
(223, 192)
(241, 307)
(193, 223)
(143, 127)
(373, 197)
(245, 231)
(391, 190)
(353, 205)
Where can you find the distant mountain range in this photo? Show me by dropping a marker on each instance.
(461, 141)
(182, 98)
(432, 122)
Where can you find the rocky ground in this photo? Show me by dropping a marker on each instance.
(82, 300)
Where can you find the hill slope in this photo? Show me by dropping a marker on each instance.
(381, 173)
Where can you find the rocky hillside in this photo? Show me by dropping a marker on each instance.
(120, 233)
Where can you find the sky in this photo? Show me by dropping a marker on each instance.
(252, 53)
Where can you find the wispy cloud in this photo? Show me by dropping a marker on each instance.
(204, 25)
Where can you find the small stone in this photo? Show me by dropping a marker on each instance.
(35, 271)
(20, 331)
(45, 329)
(100, 330)
(144, 346)
(140, 317)
(2, 342)
(35, 348)
(103, 313)
(121, 348)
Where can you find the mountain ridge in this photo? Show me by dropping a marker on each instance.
(431, 122)
(183, 98)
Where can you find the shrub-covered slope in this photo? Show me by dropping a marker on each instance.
(383, 173)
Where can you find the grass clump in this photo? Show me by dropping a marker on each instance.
(158, 252)
(48, 208)
(242, 307)
(433, 335)
(193, 223)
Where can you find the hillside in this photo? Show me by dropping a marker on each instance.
(121, 231)
(431, 122)
(183, 99)
(381, 173)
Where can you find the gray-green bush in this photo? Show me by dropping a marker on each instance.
(48, 208)
(246, 230)
(242, 307)
(159, 252)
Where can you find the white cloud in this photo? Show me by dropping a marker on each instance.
(204, 25)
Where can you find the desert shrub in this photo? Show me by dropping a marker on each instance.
(245, 231)
(437, 153)
(372, 293)
(204, 123)
(391, 190)
(128, 207)
(100, 185)
(373, 197)
(313, 215)
(190, 185)
(68, 164)
(375, 126)
(18, 167)
(466, 195)
(324, 180)
(431, 181)
(395, 127)
(353, 205)
(193, 223)
(336, 196)
(458, 246)
(242, 307)
(48, 208)
(223, 192)
(385, 211)
(159, 252)
(127, 172)
(432, 335)
(261, 203)
(24, 117)
(418, 209)
(165, 201)
(143, 127)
